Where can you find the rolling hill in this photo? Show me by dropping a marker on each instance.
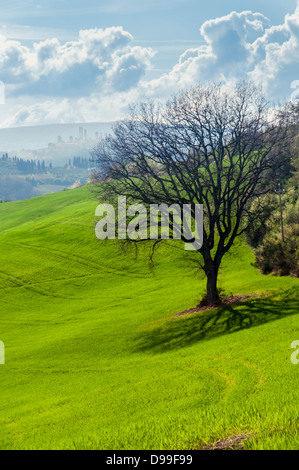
(97, 359)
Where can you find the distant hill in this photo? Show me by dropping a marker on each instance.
(38, 137)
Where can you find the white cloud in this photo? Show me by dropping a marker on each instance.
(239, 46)
(278, 54)
(100, 58)
(228, 53)
(98, 75)
(94, 108)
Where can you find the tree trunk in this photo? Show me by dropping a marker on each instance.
(212, 291)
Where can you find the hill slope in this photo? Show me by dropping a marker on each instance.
(96, 358)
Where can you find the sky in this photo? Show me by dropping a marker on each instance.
(72, 61)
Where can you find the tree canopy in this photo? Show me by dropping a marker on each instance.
(212, 145)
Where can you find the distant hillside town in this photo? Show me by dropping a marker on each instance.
(82, 137)
(55, 143)
(31, 171)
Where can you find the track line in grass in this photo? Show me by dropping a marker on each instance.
(22, 284)
(81, 261)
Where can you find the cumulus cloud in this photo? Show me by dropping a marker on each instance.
(239, 46)
(98, 75)
(227, 54)
(277, 57)
(100, 58)
(94, 108)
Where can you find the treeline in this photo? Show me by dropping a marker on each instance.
(79, 162)
(27, 166)
(30, 166)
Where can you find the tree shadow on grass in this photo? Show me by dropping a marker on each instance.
(180, 332)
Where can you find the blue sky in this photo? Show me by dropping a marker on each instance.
(71, 61)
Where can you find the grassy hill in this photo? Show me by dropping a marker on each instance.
(97, 359)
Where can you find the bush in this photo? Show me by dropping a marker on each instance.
(282, 259)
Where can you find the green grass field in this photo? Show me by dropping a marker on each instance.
(97, 359)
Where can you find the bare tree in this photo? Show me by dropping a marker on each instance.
(209, 145)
